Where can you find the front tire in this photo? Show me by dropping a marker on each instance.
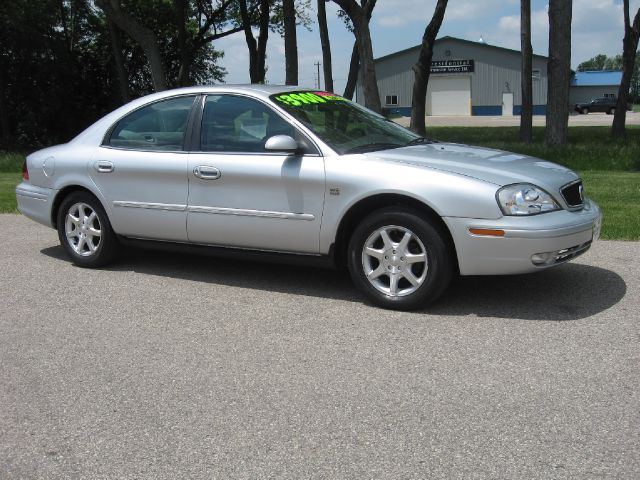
(85, 232)
(585, 111)
(399, 259)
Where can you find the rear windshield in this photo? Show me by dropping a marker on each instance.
(341, 124)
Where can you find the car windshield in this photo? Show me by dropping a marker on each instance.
(344, 125)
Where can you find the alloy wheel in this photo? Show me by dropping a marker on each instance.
(82, 229)
(394, 260)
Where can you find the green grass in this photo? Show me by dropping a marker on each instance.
(8, 182)
(589, 148)
(618, 194)
(598, 160)
(11, 161)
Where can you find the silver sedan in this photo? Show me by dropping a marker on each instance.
(304, 175)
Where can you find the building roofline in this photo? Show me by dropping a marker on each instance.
(438, 40)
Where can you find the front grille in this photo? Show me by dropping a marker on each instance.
(572, 194)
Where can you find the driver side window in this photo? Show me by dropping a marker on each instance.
(233, 123)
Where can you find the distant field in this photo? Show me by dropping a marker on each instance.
(589, 148)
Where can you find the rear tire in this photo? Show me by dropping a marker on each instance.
(85, 232)
(399, 259)
(612, 111)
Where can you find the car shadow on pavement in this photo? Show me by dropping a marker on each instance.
(568, 292)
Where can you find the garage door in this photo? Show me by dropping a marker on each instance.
(449, 95)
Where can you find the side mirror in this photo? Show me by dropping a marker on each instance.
(281, 143)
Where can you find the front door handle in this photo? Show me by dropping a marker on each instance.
(207, 173)
(104, 166)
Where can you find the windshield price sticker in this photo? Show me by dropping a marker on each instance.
(306, 98)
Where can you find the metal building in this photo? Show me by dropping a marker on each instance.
(585, 86)
(467, 78)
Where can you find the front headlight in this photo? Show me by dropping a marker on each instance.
(525, 199)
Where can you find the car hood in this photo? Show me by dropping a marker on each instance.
(494, 166)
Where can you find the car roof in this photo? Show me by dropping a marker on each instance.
(261, 90)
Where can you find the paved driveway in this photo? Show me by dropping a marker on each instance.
(177, 367)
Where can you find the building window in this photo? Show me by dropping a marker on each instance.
(391, 100)
(609, 95)
(535, 74)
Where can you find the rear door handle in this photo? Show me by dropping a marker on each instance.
(104, 166)
(207, 173)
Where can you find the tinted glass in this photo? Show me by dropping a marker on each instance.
(239, 124)
(345, 126)
(159, 126)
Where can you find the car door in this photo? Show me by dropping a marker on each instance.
(141, 170)
(241, 195)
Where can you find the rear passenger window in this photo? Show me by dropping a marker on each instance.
(159, 126)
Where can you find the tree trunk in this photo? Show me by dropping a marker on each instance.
(629, 47)
(360, 16)
(180, 13)
(290, 42)
(526, 111)
(262, 39)
(252, 45)
(257, 48)
(559, 72)
(354, 70)
(326, 46)
(369, 81)
(118, 60)
(422, 69)
(142, 35)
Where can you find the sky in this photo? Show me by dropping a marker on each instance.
(597, 27)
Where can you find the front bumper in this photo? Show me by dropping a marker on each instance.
(563, 235)
(35, 202)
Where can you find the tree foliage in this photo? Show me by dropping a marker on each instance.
(58, 69)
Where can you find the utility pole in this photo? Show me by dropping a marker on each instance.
(318, 67)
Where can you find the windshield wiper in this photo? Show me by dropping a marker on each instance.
(372, 147)
(420, 141)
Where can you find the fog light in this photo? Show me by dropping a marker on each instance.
(543, 258)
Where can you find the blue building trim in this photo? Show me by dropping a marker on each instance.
(537, 109)
(488, 110)
(496, 110)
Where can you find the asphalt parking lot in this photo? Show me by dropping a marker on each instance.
(178, 366)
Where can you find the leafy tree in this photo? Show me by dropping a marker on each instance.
(62, 65)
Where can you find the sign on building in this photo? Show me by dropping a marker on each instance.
(452, 66)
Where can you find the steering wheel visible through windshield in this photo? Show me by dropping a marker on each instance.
(344, 125)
